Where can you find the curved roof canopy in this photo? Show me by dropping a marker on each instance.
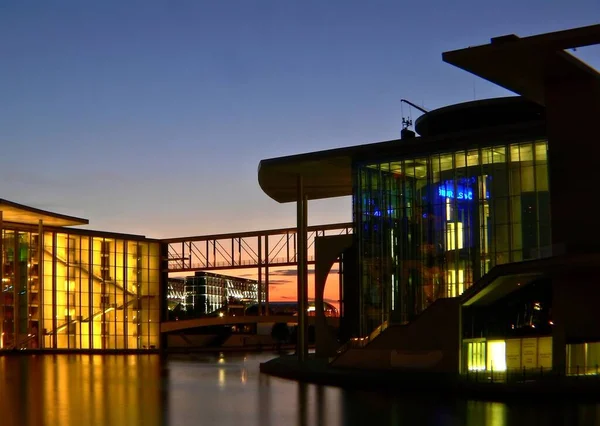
(324, 174)
(19, 213)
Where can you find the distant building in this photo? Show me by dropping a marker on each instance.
(175, 293)
(206, 293)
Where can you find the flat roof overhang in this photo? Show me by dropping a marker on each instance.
(19, 213)
(527, 65)
(325, 174)
(328, 174)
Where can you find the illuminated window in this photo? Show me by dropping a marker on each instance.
(456, 284)
(583, 358)
(454, 236)
(496, 355)
(476, 356)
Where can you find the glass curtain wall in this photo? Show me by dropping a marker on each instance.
(94, 292)
(429, 226)
(207, 294)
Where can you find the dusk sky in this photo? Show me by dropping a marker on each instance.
(151, 117)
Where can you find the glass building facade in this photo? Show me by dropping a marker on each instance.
(207, 293)
(429, 226)
(72, 289)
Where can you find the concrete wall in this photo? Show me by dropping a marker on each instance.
(350, 321)
(575, 313)
(364, 359)
(431, 343)
(572, 109)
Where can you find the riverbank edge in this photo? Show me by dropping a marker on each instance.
(231, 349)
(15, 352)
(320, 373)
(168, 351)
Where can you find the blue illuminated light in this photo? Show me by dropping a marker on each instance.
(462, 193)
(377, 212)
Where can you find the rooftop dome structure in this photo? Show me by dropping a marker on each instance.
(480, 114)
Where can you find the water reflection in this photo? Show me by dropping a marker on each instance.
(228, 390)
(80, 390)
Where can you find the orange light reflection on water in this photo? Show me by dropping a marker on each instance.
(80, 390)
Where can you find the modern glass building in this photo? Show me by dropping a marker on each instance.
(207, 293)
(68, 288)
(175, 293)
(430, 224)
(468, 241)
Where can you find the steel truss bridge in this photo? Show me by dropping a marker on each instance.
(260, 250)
(243, 250)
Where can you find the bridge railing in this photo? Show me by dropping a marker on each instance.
(258, 249)
(176, 263)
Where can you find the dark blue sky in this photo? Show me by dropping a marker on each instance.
(151, 117)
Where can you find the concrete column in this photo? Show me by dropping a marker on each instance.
(327, 252)
(260, 306)
(302, 268)
(267, 275)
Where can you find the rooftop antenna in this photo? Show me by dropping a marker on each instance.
(423, 110)
(407, 122)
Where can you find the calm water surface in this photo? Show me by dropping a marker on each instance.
(228, 390)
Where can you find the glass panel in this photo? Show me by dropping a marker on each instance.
(476, 356)
(48, 291)
(541, 152)
(525, 153)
